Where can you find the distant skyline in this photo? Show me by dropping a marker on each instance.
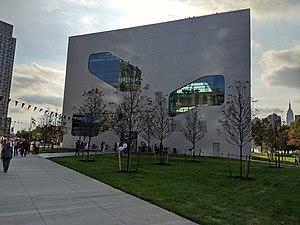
(42, 29)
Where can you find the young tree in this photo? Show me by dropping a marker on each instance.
(162, 124)
(94, 114)
(259, 132)
(45, 127)
(147, 133)
(22, 134)
(272, 142)
(130, 111)
(236, 121)
(294, 134)
(194, 129)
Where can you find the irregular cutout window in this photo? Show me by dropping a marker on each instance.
(115, 71)
(205, 91)
(81, 128)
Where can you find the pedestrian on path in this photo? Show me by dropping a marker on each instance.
(16, 147)
(6, 155)
(37, 146)
(77, 144)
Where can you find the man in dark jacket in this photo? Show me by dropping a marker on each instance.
(6, 155)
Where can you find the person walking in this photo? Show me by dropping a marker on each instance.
(37, 146)
(6, 156)
(102, 146)
(77, 144)
(15, 147)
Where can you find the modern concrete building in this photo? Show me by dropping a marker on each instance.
(7, 53)
(192, 61)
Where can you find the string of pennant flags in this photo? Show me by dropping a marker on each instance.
(27, 106)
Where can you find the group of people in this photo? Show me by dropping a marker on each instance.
(14, 147)
(144, 148)
(23, 147)
(82, 145)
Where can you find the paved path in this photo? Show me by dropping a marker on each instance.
(37, 191)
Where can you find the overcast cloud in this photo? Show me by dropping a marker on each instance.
(262, 10)
(282, 68)
(36, 84)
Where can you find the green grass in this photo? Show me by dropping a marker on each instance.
(203, 191)
(53, 150)
(264, 157)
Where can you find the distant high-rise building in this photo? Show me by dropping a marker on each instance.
(7, 53)
(297, 117)
(289, 115)
(274, 119)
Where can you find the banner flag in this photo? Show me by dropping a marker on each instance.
(33, 121)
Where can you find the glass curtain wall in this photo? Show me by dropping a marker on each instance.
(115, 71)
(205, 91)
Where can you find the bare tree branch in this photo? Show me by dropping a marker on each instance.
(236, 121)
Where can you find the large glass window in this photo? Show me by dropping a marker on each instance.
(80, 127)
(205, 91)
(115, 71)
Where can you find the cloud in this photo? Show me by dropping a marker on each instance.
(282, 68)
(37, 84)
(262, 10)
(42, 28)
(137, 12)
(255, 45)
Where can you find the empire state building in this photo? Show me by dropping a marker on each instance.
(289, 115)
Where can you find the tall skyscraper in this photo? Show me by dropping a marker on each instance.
(289, 115)
(7, 53)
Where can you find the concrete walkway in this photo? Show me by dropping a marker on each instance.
(37, 191)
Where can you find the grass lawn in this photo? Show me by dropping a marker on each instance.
(264, 157)
(203, 191)
(53, 150)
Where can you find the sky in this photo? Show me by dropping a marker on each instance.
(42, 29)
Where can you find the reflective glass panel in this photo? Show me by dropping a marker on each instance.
(81, 128)
(115, 71)
(205, 91)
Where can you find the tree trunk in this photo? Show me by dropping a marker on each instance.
(161, 151)
(241, 162)
(128, 158)
(129, 153)
(194, 152)
(88, 149)
(148, 148)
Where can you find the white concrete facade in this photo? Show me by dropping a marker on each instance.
(170, 55)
